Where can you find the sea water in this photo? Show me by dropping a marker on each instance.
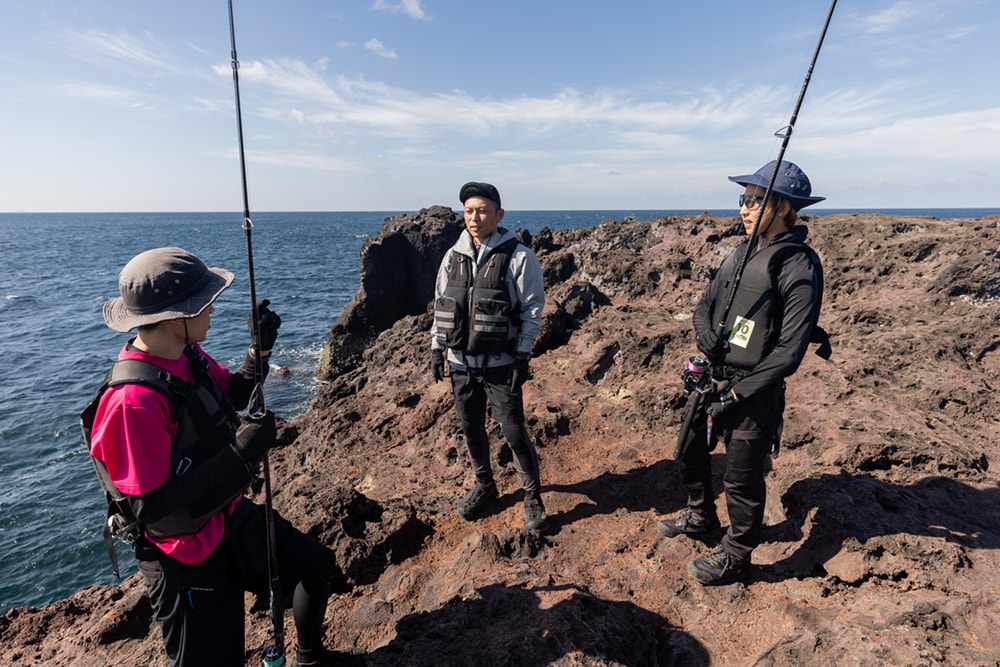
(56, 272)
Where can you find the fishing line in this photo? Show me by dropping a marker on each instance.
(785, 134)
(274, 655)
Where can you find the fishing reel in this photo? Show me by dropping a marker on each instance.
(695, 375)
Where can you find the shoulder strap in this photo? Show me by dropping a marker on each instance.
(499, 261)
(819, 334)
(120, 519)
(137, 371)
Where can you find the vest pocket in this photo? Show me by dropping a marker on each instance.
(447, 316)
(489, 327)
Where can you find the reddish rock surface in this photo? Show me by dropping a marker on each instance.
(882, 544)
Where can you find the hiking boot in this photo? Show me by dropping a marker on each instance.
(477, 500)
(342, 657)
(535, 519)
(691, 522)
(718, 567)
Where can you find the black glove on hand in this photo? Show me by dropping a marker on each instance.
(255, 436)
(520, 373)
(710, 345)
(720, 403)
(437, 365)
(268, 327)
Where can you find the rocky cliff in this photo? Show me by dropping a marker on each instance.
(882, 540)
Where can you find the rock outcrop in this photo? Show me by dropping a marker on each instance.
(882, 539)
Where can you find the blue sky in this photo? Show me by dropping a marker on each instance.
(127, 105)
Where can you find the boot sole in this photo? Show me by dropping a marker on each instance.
(670, 531)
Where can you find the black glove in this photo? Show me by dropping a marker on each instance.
(520, 373)
(437, 365)
(268, 327)
(710, 345)
(720, 403)
(255, 436)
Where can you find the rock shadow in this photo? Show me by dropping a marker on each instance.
(501, 626)
(847, 507)
(656, 486)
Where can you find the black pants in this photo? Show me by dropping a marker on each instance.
(472, 393)
(200, 608)
(747, 431)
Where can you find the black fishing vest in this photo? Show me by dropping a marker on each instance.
(206, 423)
(477, 316)
(754, 320)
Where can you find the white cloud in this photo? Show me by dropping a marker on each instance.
(378, 48)
(109, 95)
(973, 135)
(381, 107)
(889, 19)
(291, 79)
(93, 44)
(411, 8)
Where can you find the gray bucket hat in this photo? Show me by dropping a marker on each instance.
(163, 284)
(791, 183)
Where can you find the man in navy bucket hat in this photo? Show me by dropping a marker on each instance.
(770, 322)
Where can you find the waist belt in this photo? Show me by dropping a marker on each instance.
(730, 373)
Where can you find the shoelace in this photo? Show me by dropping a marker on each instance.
(718, 558)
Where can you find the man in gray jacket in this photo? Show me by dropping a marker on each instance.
(488, 302)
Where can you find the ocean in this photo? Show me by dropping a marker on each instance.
(56, 272)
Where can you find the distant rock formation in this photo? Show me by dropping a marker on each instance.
(398, 266)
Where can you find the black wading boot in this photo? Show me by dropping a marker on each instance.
(692, 523)
(718, 567)
(535, 519)
(478, 500)
(342, 657)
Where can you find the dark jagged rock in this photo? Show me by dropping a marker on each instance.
(398, 266)
(882, 538)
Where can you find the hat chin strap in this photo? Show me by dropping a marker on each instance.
(187, 337)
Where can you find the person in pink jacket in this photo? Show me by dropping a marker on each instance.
(174, 459)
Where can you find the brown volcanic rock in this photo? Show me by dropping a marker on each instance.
(882, 543)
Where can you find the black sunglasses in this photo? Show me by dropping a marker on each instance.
(750, 201)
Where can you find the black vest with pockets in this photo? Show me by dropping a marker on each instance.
(477, 316)
(206, 422)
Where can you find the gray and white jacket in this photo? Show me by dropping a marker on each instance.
(524, 286)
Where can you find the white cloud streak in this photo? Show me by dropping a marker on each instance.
(380, 107)
(411, 8)
(91, 45)
(378, 48)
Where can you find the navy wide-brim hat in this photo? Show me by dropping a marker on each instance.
(163, 284)
(791, 183)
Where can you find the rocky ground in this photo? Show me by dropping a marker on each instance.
(882, 544)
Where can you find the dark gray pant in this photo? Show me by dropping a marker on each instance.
(200, 608)
(473, 392)
(747, 431)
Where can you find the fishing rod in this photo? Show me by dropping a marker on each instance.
(786, 134)
(274, 655)
(696, 380)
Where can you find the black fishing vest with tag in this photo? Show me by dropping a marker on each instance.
(206, 422)
(754, 320)
(477, 316)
